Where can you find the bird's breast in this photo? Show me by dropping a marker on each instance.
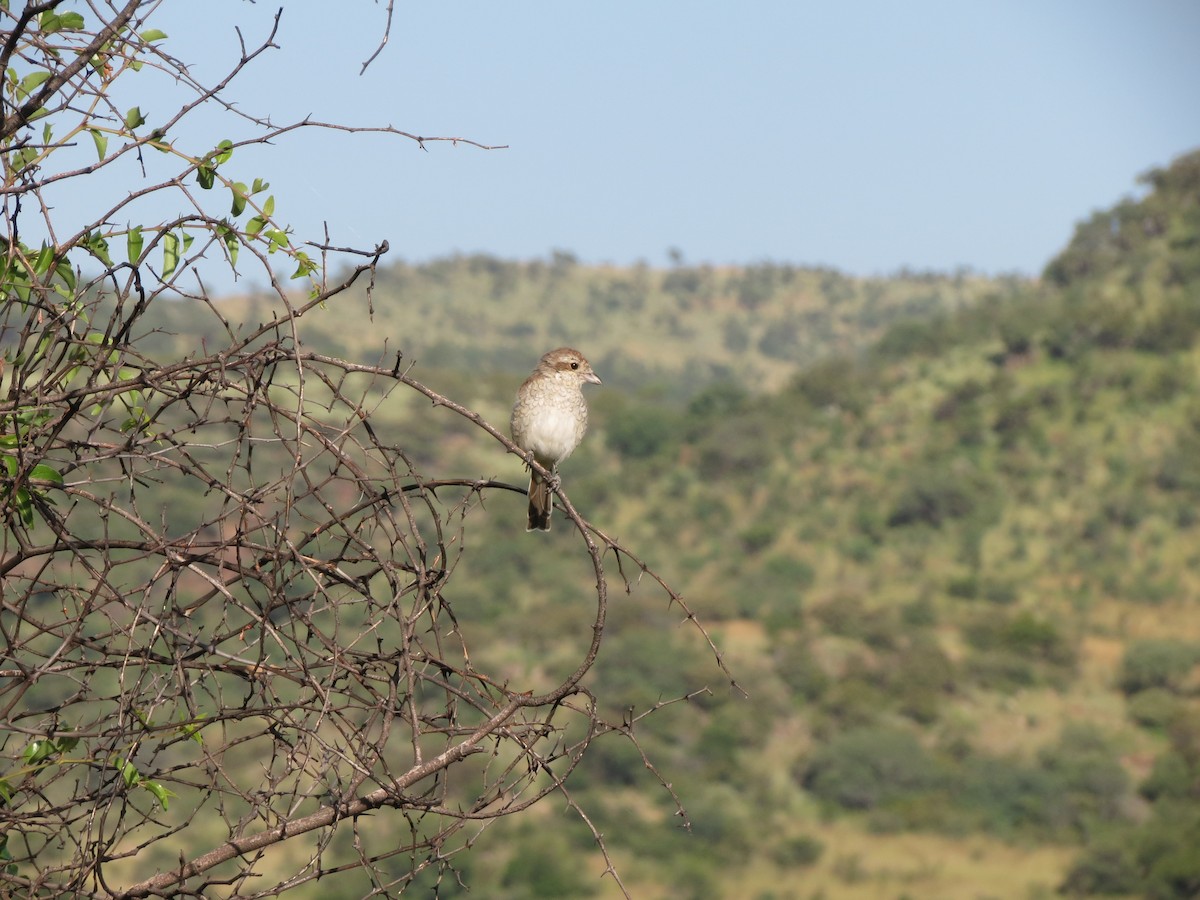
(554, 430)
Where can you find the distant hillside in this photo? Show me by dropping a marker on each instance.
(975, 549)
(685, 327)
(961, 571)
(947, 530)
(757, 324)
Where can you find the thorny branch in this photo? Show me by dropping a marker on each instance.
(227, 620)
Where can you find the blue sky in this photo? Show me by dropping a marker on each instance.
(862, 135)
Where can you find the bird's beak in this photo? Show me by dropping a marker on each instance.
(593, 378)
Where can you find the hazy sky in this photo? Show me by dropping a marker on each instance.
(862, 135)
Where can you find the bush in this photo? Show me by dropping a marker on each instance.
(836, 382)
(913, 337)
(795, 667)
(1103, 869)
(798, 852)
(542, 866)
(854, 701)
(1166, 848)
(868, 767)
(1025, 635)
(1000, 670)
(919, 679)
(1170, 777)
(781, 339)
(722, 820)
(1153, 707)
(758, 536)
(638, 432)
(733, 447)
(921, 613)
(1094, 782)
(935, 495)
(1156, 663)
(1039, 638)
(1007, 796)
(850, 617)
(718, 400)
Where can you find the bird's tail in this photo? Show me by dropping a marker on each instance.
(541, 503)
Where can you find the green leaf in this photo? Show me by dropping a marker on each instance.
(260, 185)
(306, 265)
(268, 209)
(6, 865)
(47, 133)
(23, 158)
(67, 743)
(31, 83)
(134, 118)
(101, 141)
(152, 34)
(98, 247)
(128, 772)
(188, 237)
(42, 472)
(232, 244)
(51, 22)
(160, 793)
(254, 226)
(192, 730)
(277, 237)
(25, 506)
(170, 254)
(64, 271)
(45, 257)
(38, 751)
(206, 176)
(133, 243)
(157, 141)
(224, 151)
(239, 198)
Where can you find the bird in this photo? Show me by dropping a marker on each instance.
(549, 419)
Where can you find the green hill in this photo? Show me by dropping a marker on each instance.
(680, 328)
(944, 528)
(957, 569)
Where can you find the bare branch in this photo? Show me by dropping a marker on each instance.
(387, 33)
(228, 618)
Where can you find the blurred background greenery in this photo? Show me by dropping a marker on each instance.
(944, 526)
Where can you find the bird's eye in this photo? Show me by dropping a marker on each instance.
(574, 365)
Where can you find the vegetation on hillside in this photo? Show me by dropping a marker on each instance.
(948, 526)
(674, 330)
(957, 569)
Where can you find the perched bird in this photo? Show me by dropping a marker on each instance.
(548, 420)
